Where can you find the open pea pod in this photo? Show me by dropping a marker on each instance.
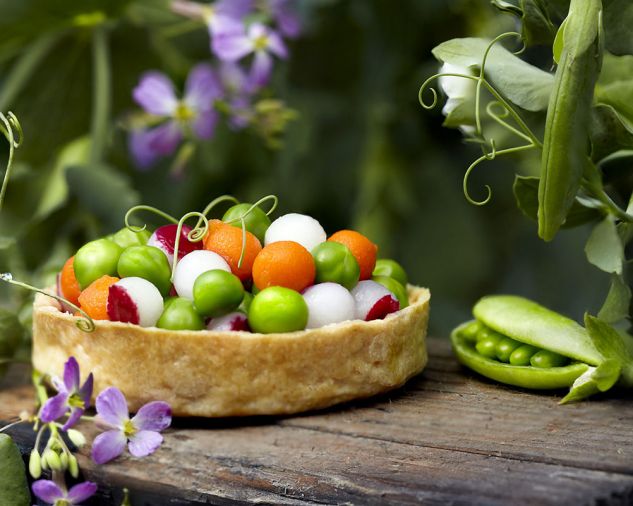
(519, 342)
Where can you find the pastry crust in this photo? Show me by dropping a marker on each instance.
(213, 374)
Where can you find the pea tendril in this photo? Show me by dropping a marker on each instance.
(195, 235)
(135, 209)
(84, 323)
(12, 130)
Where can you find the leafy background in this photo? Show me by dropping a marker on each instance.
(362, 154)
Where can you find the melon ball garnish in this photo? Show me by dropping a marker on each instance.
(277, 309)
(191, 266)
(231, 321)
(296, 227)
(328, 303)
(373, 301)
(134, 300)
(164, 238)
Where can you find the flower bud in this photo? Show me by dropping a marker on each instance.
(44, 462)
(35, 464)
(63, 458)
(77, 437)
(53, 460)
(73, 467)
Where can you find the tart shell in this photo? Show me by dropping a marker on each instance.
(216, 374)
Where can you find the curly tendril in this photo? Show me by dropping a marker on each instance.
(84, 323)
(12, 130)
(498, 110)
(135, 209)
(199, 236)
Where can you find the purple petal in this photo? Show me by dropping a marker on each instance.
(58, 383)
(276, 45)
(241, 113)
(147, 146)
(71, 375)
(287, 19)
(47, 491)
(234, 78)
(261, 69)
(154, 416)
(75, 415)
(234, 8)
(257, 30)
(204, 124)
(220, 24)
(112, 407)
(108, 446)
(144, 443)
(232, 47)
(81, 492)
(155, 93)
(202, 88)
(85, 392)
(54, 408)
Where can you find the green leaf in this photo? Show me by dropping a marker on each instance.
(537, 28)
(595, 380)
(604, 248)
(511, 7)
(610, 132)
(616, 305)
(525, 85)
(618, 20)
(606, 339)
(103, 191)
(14, 490)
(557, 46)
(582, 211)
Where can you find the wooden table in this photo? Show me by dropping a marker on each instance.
(447, 437)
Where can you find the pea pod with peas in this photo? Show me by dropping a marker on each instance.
(518, 342)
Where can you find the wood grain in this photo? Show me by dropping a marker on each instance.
(447, 437)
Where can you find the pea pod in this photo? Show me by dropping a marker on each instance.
(566, 128)
(13, 486)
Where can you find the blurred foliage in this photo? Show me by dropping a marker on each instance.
(361, 153)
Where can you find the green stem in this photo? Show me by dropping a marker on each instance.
(101, 98)
(8, 124)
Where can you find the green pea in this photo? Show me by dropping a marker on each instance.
(546, 358)
(126, 238)
(391, 268)
(95, 259)
(505, 347)
(217, 292)
(487, 347)
(487, 332)
(147, 262)
(256, 222)
(522, 355)
(394, 287)
(335, 263)
(179, 314)
(470, 330)
(277, 309)
(246, 303)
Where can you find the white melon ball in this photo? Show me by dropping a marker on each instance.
(295, 227)
(191, 266)
(373, 301)
(328, 303)
(134, 300)
(231, 321)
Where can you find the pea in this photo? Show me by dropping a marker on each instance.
(217, 292)
(256, 222)
(487, 332)
(126, 238)
(391, 268)
(147, 262)
(522, 355)
(95, 259)
(246, 303)
(469, 332)
(394, 287)
(487, 347)
(546, 358)
(505, 347)
(335, 263)
(278, 309)
(179, 314)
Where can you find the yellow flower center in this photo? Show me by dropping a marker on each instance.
(260, 43)
(128, 429)
(74, 401)
(184, 113)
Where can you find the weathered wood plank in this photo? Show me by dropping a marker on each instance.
(446, 438)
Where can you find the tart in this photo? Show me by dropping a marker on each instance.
(217, 374)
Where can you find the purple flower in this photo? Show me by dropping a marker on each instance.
(195, 112)
(259, 40)
(223, 16)
(48, 491)
(238, 90)
(141, 433)
(286, 17)
(70, 397)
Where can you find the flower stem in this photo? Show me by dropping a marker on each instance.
(101, 97)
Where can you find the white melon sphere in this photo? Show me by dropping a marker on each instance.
(232, 321)
(191, 266)
(373, 301)
(328, 303)
(296, 227)
(134, 300)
